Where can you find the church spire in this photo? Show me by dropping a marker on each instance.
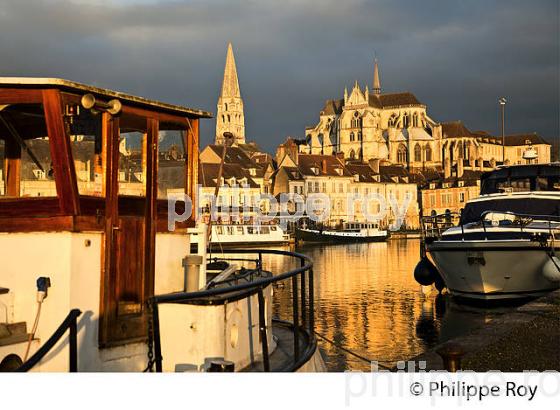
(230, 116)
(230, 84)
(376, 81)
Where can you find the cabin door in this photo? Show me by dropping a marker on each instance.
(130, 229)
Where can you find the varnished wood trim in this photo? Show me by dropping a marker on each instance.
(192, 161)
(107, 308)
(20, 96)
(61, 154)
(150, 217)
(13, 207)
(63, 223)
(12, 167)
(160, 116)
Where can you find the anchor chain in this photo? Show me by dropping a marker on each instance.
(151, 361)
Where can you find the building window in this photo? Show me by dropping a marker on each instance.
(352, 154)
(428, 153)
(402, 157)
(405, 120)
(417, 153)
(392, 120)
(359, 136)
(432, 200)
(461, 197)
(351, 137)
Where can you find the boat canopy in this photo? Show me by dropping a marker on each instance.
(513, 183)
(517, 205)
(541, 177)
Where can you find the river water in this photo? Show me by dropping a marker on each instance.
(366, 299)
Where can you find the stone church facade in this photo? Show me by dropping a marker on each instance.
(396, 127)
(368, 125)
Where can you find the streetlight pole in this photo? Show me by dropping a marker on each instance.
(503, 102)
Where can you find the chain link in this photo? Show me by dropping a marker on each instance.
(151, 361)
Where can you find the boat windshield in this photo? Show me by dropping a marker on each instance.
(522, 179)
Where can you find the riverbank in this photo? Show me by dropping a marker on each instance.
(526, 339)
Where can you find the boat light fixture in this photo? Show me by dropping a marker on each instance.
(89, 102)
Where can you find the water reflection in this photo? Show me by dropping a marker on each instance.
(367, 300)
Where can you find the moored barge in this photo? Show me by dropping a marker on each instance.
(92, 278)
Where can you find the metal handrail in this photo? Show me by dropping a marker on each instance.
(302, 295)
(70, 324)
(433, 228)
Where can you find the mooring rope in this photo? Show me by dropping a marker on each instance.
(357, 355)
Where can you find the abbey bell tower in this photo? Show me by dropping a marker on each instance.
(230, 117)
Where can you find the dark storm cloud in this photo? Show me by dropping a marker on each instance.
(458, 57)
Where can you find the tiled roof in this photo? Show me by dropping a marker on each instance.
(522, 139)
(234, 155)
(208, 174)
(395, 99)
(394, 173)
(326, 165)
(455, 129)
(250, 147)
(364, 171)
(293, 173)
(332, 107)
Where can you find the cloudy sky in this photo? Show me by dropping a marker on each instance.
(457, 56)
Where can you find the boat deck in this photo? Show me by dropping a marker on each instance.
(282, 358)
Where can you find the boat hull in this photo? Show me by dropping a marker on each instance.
(228, 245)
(308, 235)
(492, 270)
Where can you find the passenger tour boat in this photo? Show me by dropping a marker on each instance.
(242, 235)
(351, 232)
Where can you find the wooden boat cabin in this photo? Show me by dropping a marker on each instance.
(84, 177)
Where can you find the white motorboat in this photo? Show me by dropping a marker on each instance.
(506, 243)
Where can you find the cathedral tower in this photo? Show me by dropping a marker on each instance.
(230, 117)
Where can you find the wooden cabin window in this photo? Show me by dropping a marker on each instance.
(27, 164)
(86, 142)
(171, 160)
(132, 156)
(2, 167)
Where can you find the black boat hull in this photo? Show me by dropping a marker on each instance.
(320, 237)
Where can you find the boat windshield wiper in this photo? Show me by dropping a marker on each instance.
(20, 141)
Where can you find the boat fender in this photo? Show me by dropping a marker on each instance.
(439, 283)
(551, 269)
(425, 272)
